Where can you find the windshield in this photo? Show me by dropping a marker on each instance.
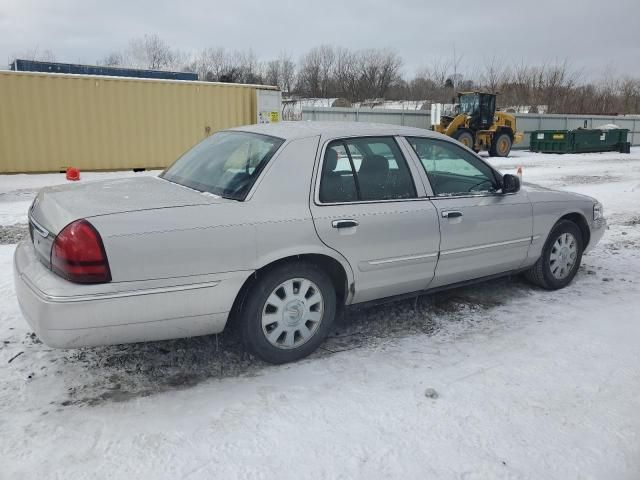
(469, 104)
(225, 164)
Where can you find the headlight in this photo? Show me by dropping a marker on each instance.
(598, 211)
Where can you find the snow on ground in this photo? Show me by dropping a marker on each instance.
(529, 383)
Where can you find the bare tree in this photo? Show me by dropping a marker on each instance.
(421, 87)
(493, 75)
(346, 73)
(150, 52)
(555, 82)
(435, 76)
(379, 69)
(629, 95)
(113, 59)
(439, 71)
(309, 76)
(218, 65)
(287, 72)
(390, 65)
(280, 72)
(223, 66)
(273, 73)
(326, 56)
(247, 63)
(316, 72)
(203, 63)
(357, 75)
(519, 86)
(456, 60)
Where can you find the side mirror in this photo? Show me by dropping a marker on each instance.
(510, 183)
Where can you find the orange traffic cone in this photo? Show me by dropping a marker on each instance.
(73, 174)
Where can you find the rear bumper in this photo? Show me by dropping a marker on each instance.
(82, 316)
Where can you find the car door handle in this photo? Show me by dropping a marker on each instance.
(346, 223)
(451, 214)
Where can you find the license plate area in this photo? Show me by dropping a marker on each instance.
(42, 241)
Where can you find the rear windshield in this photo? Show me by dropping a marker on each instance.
(225, 164)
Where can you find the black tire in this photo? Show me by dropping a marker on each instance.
(501, 145)
(540, 273)
(255, 338)
(465, 137)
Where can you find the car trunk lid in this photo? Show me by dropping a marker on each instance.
(56, 207)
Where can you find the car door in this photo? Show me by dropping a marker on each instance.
(368, 207)
(483, 232)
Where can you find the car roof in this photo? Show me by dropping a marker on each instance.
(303, 129)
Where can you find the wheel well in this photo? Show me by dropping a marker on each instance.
(581, 222)
(331, 267)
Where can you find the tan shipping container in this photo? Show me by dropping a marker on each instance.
(49, 122)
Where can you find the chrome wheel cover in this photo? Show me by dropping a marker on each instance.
(292, 313)
(563, 256)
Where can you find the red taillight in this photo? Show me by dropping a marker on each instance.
(78, 254)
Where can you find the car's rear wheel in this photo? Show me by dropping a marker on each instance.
(288, 312)
(560, 259)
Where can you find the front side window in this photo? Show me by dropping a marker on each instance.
(225, 164)
(364, 169)
(451, 169)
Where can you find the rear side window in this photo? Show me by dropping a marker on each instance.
(364, 169)
(225, 164)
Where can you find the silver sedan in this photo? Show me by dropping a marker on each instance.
(277, 228)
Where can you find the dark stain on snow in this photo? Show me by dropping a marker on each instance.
(124, 372)
(589, 179)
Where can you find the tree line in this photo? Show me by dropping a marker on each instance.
(328, 71)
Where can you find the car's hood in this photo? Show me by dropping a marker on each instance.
(541, 194)
(56, 207)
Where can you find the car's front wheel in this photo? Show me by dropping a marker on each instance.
(288, 312)
(560, 259)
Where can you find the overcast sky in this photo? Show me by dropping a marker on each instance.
(595, 35)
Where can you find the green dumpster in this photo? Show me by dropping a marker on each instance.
(581, 140)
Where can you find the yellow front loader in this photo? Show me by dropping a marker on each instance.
(478, 126)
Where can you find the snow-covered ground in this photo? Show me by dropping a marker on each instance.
(528, 383)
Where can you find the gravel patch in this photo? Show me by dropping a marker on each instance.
(13, 233)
